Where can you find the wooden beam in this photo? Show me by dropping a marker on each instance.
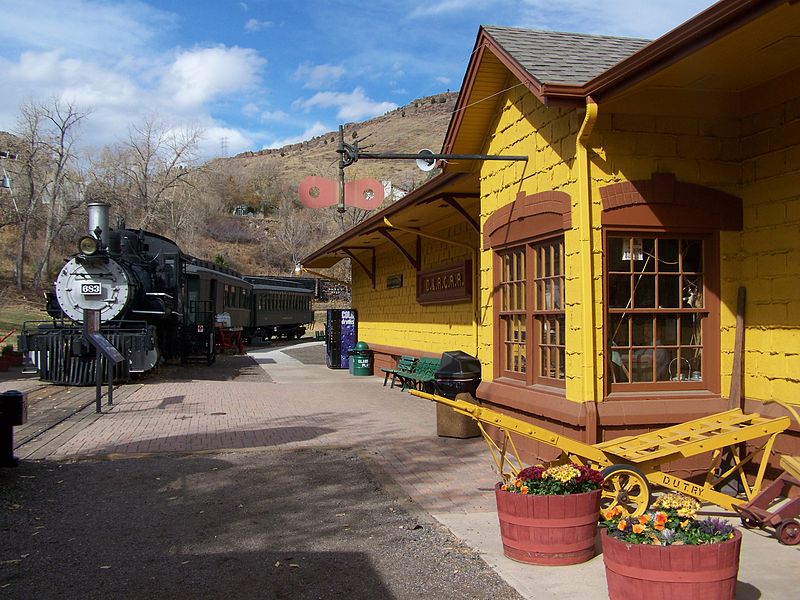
(370, 274)
(460, 209)
(414, 261)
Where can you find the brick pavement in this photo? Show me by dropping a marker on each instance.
(306, 406)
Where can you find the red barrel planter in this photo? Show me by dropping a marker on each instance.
(705, 572)
(548, 530)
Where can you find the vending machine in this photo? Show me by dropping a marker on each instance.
(341, 333)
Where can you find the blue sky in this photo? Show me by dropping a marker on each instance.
(264, 73)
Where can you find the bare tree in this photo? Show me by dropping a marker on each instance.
(151, 164)
(29, 170)
(62, 185)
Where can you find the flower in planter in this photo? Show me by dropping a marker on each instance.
(559, 480)
(670, 521)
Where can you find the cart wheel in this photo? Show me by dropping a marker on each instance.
(627, 487)
(788, 532)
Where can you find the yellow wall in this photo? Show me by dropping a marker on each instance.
(765, 257)
(756, 157)
(392, 317)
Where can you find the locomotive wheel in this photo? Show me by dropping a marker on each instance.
(788, 532)
(627, 487)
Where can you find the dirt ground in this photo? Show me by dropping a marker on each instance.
(247, 524)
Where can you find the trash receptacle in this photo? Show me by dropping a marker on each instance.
(458, 378)
(361, 360)
(13, 411)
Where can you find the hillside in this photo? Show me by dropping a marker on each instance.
(420, 124)
(271, 243)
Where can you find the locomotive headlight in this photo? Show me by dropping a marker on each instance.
(87, 245)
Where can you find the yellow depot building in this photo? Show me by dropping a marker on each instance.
(600, 281)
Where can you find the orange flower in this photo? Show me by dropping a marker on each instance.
(661, 518)
(524, 489)
(609, 514)
(638, 528)
(644, 519)
(622, 525)
(504, 487)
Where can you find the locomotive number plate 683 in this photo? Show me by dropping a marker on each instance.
(91, 289)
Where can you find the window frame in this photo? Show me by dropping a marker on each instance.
(534, 317)
(530, 222)
(710, 346)
(663, 205)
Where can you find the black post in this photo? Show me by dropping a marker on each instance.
(91, 324)
(13, 411)
(110, 382)
(98, 382)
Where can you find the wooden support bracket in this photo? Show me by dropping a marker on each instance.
(369, 272)
(460, 209)
(414, 261)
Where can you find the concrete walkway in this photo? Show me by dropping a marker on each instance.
(308, 405)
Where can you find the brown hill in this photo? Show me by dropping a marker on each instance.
(420, 124)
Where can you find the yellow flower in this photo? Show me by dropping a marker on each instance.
(684, 524)
(562, 473)
(622, 525)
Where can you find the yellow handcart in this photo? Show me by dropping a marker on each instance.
(632, 464)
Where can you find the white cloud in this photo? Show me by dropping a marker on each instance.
(254, 25)
(199, 76)
(273, 115)
(354, 106)
(215, 137)
(614, 17)
(312, 131)
(430, 9)
(317, 77)
(104, 29)
(444, 80)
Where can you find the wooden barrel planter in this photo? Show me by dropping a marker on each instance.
(707, 571)
(548, 530)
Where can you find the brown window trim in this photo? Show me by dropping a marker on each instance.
(663, 205)
(529, 220)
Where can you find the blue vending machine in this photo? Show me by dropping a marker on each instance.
(341, 334)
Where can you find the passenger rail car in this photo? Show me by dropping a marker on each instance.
(156, 303)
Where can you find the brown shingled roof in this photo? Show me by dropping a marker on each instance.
(566, 58)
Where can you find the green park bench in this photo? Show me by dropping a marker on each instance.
(406, 364)
(422, 376)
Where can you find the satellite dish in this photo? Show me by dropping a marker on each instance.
(424, 163)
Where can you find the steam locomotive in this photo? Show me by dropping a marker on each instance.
(155, 303)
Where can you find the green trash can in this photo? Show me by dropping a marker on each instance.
(361, 360)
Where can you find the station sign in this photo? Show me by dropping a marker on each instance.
(451, 284)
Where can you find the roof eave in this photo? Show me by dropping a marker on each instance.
(699, 31)
(376, 220)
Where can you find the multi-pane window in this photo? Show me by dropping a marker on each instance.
(655, 310)
(513, 318)
(548, 308)
(531, 296)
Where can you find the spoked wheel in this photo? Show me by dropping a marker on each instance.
(788, 532)
(627, 487)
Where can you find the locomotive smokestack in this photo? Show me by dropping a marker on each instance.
(98, 217)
